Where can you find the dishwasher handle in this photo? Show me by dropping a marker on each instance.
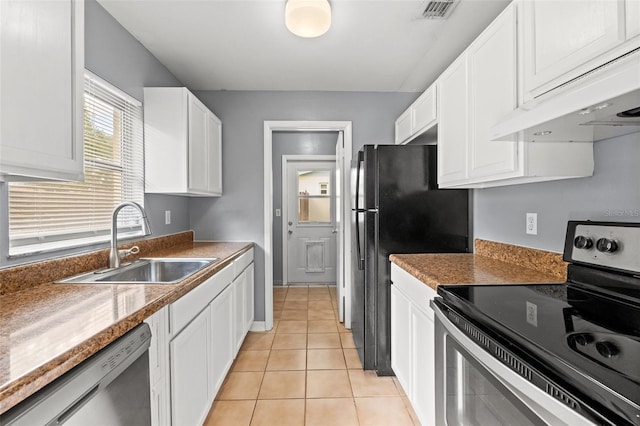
(76, 406)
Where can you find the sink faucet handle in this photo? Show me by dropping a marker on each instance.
(125, 253)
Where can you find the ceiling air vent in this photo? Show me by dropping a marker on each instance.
(439, 9)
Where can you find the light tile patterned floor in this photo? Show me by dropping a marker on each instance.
(306, 372)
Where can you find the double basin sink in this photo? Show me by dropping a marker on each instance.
(144, 271)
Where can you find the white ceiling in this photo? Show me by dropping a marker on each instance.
(372, 45)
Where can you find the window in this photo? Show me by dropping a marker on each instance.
(52, 215)
(314, 199)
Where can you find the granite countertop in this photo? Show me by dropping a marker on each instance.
(48, 329)
(466, 268)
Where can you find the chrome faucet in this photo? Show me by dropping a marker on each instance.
(114, 253)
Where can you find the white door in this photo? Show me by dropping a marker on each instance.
(310, 239)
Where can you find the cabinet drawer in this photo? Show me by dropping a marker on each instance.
(183, 310)
(417, 291)
(242, 262)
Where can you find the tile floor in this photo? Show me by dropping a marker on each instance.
(306, 372)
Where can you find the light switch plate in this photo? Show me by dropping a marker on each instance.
(167, 217)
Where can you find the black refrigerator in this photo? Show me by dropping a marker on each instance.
(397, 208)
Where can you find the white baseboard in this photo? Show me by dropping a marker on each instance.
(258, 326)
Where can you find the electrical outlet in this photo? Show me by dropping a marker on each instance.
(532, 314)
(532, 223)
(167, 217)
(277, 212)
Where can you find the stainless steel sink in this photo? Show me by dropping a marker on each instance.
(145, 271)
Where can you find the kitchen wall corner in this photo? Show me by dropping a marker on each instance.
(611, 194)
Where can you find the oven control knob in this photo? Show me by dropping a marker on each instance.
(606, 245)
(607, 349)
(583, 339)
(582, 242)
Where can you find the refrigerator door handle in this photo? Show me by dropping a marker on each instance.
(358, 248)
(358, 172)
(358, 210)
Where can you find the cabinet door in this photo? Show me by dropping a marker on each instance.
(401, 338)
(422, 365)
(493, 94)
(453, 123)
(214, 147)
(41, 88)
(249, 297)
(403, 126)
(238, 289)
(198, 152)
(424, 110)
(563, 38)
(632, 12)
(222, 343)
(189, 366)
(158, 359)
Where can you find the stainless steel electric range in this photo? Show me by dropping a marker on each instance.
(547, 353)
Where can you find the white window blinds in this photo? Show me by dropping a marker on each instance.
(51, 215)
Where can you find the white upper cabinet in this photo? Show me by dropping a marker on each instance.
(214, 126)
(453, 125)
(565, 39)
(478, 90)
(41, 89)
(183, 144)
(632, 13)
(420, 117)
(403, 126)
(493, 93)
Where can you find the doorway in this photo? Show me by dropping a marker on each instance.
(309, 220)
(343, 158)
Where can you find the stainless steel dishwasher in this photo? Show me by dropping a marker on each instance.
(110, 388)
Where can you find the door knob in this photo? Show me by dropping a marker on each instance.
(290, 232)
(334, 231)
(290, 223)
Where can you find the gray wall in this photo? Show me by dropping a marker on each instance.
(238, 214)
(612, 193)
(292, 143)
(117, 57)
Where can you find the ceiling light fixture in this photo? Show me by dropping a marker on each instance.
(308, 18)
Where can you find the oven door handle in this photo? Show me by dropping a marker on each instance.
(550, 410)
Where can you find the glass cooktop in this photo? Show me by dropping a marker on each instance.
(588, 339)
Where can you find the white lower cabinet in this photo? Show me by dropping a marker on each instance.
(423, 364)
(238, 294)
(222, 352)
(194, 342)
(412, 341)
(401, 337)
(158, 364)
(249, 297)
(189, 367)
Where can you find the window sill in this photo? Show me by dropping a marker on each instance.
(54, 246)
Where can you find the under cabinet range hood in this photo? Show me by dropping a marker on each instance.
(601, 104)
